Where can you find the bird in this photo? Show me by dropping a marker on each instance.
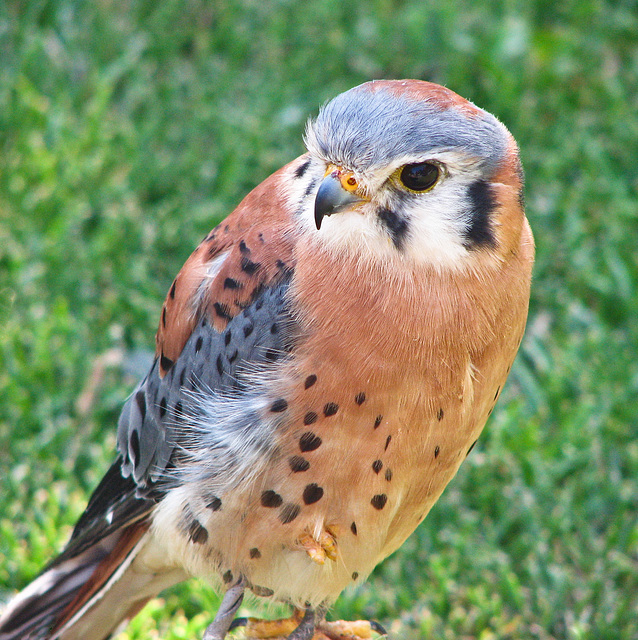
(325, 361)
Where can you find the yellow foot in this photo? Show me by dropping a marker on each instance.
(323, 547)
(257, 629)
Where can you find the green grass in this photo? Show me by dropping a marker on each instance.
(128, 129)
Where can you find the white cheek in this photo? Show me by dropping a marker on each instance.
(437, 228)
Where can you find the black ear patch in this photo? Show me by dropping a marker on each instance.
(482, 204)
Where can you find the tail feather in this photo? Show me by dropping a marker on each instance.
(87, 596)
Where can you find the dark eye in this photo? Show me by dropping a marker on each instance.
(420, 176)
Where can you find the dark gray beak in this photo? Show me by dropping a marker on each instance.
(332, 198)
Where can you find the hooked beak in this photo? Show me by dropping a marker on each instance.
(336, 193)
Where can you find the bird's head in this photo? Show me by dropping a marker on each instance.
(409, 169)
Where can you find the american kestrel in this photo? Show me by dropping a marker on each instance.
(325, 360)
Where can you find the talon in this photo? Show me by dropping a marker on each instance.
(324, 547)
(262, 629)
(313, 548)
(350, 629)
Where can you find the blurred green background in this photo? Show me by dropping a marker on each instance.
(129, 128)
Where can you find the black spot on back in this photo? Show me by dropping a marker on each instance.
(353, 528)
(165, 363)
(377, 465)
(254, 553)
(248, 266)
(480, 232)
(171, 293)
(140, 399)
(310, 380)
(377, 421)
(437, 450)
(396, 226)
(222, 310)
(231, 283)
(360, 398)
(439, 415)
(135, 446)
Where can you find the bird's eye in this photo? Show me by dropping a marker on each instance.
(420, 176)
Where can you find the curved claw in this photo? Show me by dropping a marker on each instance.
(378, 628)
(238, 622)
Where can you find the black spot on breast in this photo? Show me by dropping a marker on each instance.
(248, 266)
(471, 447)
(360, 398)
(379, 501)
(222, 310)
(279, 405)
(298, 464)
(171, 293)
(439, 415)
(165, 363)
(302, 168)
(254, 553)
(330, 409)
(227, 577)
(437, 450)
(388, 474)
(243, 248)
(271, 499)
(197, 533)
(310, 418)
(198, 344)
(353, 528)
(377, 465)
(387, 443)
(213, 503)
(231, 283)
(312, 493)
(482, 203)
(377, 421)
(289, 512)
(309, 441)
(355, 575)
(396, 226)
(310, 380)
